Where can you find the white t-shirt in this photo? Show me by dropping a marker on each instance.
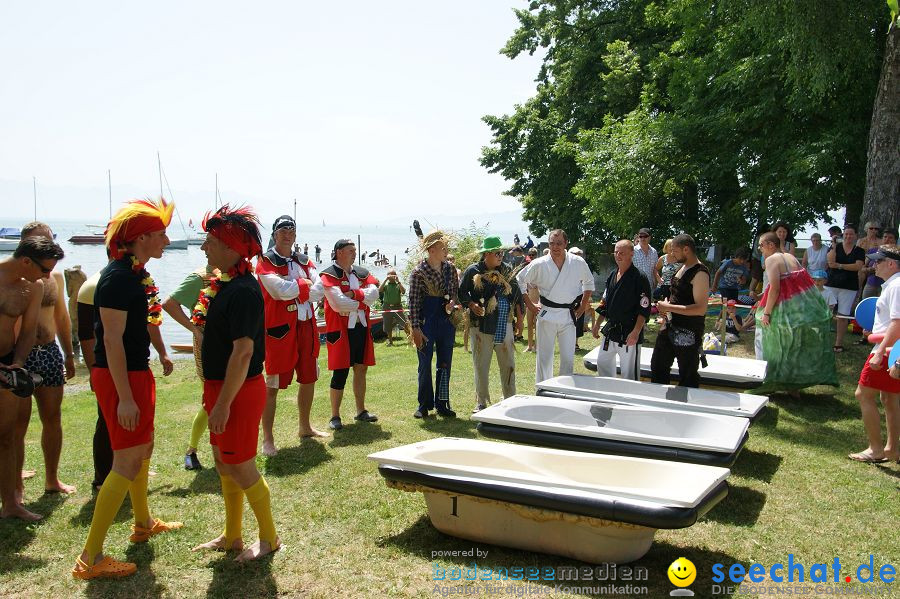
(888, 306)
(816, 259)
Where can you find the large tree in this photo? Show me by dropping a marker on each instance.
(690, 115)
(882, 198)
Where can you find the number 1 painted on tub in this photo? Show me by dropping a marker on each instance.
(453, 510)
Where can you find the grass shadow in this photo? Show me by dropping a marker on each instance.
(768, 419)
(250, 579)
(86, 513)
(17, 535)
(450, 427)
(298, 459)
(818, 408)
(359, 434)
(742, 507)
(204, 481)
(819, 435)
(760, 465)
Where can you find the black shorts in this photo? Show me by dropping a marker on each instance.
(356, 337)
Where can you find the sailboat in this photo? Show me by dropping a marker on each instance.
(96, 236)
(198, 237)
(174, 244)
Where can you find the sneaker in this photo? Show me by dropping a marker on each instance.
(478, 408)
(447, 413)
(335, 423)
(420, 414)
(364, 416)
(191, 462)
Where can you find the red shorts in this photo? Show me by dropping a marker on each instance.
(879, 379)
(238, 443)
(307, 366)
(143, 390)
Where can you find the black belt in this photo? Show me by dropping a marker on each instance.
(571, 307)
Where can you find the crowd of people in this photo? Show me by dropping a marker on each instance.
(255, 330)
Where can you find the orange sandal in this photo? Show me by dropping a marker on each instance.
(141, 534)
(105, 568)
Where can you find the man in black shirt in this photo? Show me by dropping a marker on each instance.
(234, 392)
(126, 302)
(686, 313)
(625, 307)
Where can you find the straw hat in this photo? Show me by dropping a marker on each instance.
(435, 236)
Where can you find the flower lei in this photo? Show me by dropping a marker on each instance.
(154, 306)
(198, 314)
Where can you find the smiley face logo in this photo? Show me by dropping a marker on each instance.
(682, 572)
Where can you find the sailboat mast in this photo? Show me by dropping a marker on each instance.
(34, 182)
(159, 169)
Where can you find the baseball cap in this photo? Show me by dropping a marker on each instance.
(886, 251)
(342, 243)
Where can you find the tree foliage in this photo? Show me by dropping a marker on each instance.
(711, 117)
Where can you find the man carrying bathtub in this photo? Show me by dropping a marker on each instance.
(565, 284)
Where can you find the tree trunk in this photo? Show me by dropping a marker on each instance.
(881, 202)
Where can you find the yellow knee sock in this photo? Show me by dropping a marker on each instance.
(200, 422)
(109, 500)
(234, 508)
(138, 493)
(259, 499)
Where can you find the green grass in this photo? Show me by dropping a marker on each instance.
(346, 534)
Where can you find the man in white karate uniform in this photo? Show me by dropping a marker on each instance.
(565, 284)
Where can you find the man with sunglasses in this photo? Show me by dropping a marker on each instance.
(47, 360)
(874, 380)
(290, 287)
(22, 282)
(495, 309)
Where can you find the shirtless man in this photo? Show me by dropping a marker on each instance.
(46, 360)
(22, 280)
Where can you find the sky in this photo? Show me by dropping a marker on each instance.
(359, 110)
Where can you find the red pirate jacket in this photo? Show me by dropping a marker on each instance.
(336, 321)
(281, 314)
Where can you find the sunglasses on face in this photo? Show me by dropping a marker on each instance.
(43, 268)
(643, 236)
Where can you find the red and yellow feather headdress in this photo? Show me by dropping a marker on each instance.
(134, 219)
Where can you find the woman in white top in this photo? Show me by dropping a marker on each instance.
(815, 260)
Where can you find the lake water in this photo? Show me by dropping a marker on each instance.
(170, 270)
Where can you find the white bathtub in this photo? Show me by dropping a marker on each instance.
(607, 427)
(721, 371)
(592, 388)
(587, 506)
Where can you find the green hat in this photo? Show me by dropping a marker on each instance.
(491, 244)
